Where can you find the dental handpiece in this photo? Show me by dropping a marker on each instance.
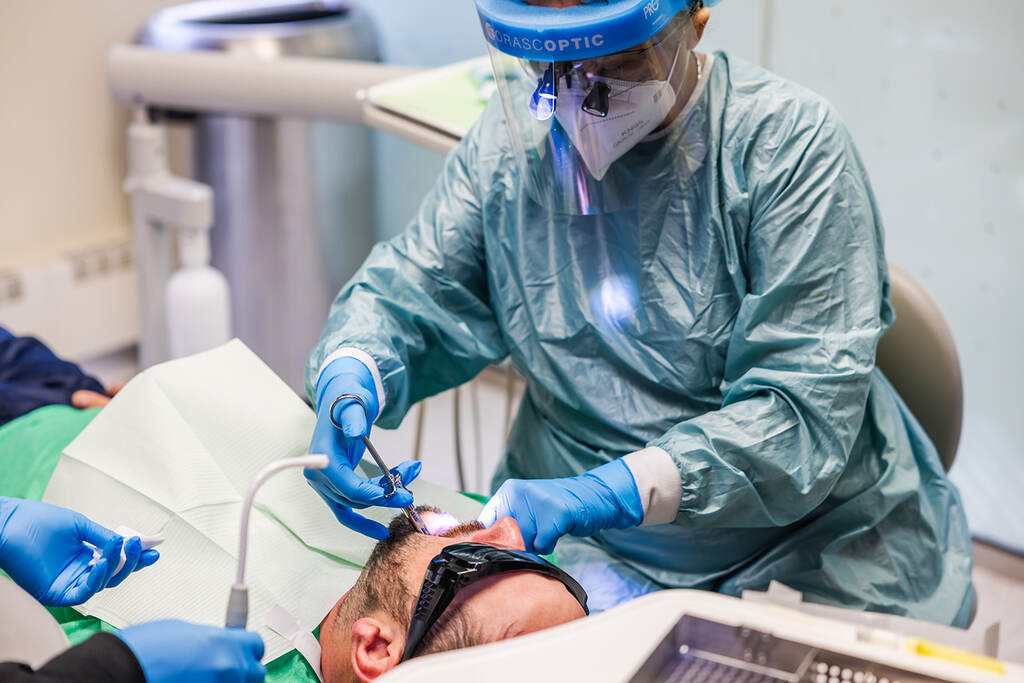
(396, 482)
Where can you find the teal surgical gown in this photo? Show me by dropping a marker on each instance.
(729, 318)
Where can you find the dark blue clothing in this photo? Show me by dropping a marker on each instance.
(31, 377)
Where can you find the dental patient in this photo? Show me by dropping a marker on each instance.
(365, 633)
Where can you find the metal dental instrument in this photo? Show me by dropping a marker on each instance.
(393, 478)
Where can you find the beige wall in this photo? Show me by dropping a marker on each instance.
(61, 135)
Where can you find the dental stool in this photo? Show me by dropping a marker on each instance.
(919, 357)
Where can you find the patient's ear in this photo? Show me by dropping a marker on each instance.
(376, 647)
(504, 533)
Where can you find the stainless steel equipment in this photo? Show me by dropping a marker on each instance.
(294, 212)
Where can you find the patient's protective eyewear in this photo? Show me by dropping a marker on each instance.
(459, 565)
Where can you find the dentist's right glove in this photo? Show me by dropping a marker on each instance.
(341, 488)
(179, 652)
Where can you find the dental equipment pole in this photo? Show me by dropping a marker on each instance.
(460, 475)
(478, 459)
(238, 602)
(161, 202)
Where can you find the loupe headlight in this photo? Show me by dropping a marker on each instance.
(545, 97)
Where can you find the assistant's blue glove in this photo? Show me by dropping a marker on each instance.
(178, 652)
(43, 549)
(547, 509)
(338, 484)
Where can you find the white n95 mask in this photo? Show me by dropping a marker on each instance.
(634, 111)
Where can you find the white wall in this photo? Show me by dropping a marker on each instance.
(932, 92)
(61, 150)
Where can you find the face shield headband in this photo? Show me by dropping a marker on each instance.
(461, 564)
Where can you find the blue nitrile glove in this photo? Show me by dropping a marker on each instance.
(178, 652)
(43, 549)
(547, 509)
(338, 484)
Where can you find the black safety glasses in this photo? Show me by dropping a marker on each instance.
(461, 564)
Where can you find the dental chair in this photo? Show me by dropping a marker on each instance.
(919, 357)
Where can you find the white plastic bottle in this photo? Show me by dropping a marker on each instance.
(198, 301)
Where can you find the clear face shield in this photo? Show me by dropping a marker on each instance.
(575, 123)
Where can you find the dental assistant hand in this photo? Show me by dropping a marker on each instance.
(338, 484)
(179, 652)
(43, 549)
(547, 509)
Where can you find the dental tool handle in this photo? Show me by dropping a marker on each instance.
(238, 607)
(238, 602)
(409, 510)
(380, 461)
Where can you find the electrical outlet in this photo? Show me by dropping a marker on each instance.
(81, 302)
(100, 260)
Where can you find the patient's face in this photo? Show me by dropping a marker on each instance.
(362, 646)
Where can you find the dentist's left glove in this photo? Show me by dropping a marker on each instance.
(43, 549)
(606, 497)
